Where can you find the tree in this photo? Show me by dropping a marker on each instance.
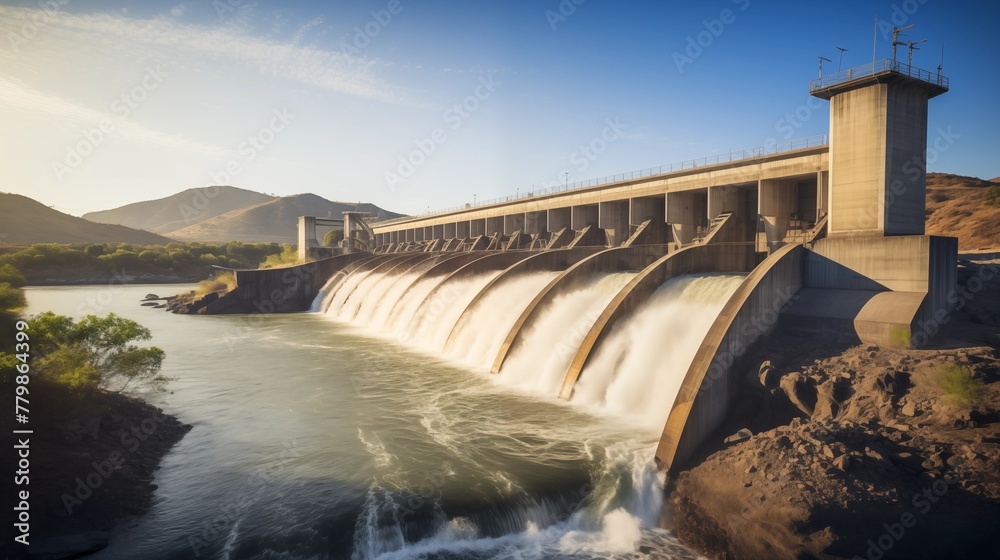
(333, 237)
(11, 275)
(96, 352)
(11, 298)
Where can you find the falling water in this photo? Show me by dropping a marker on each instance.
(632, 377)
(637, 371)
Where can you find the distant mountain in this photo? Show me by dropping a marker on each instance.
(956, 207)
(181, 210)
(24, 220)
(275, 221)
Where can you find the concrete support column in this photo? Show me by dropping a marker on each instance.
(513, 223)
(777, 201)
(822, 194)
(477, 227)
(722, 199)
(462, 230)
(613, 218)
(307, 236)
(535, 222)
(686, 212)
(583, 216)
(559, 218)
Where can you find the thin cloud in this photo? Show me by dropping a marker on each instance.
(320, 68)
(16, 95)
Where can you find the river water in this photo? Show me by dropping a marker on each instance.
(318, 435)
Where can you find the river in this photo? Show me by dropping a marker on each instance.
(315, 438)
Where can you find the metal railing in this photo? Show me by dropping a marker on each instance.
(878, 67)
(730, 157)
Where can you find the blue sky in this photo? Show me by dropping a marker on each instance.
(417, 105)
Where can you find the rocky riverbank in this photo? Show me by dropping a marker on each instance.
(856, 451)
(93, 463)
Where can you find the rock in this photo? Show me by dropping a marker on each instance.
(152, 296)
(800, 391)
(150, 304)
(742, 435)
(750, 470)
(909, 409)
(768, 375)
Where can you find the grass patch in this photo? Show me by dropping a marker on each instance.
(901, 337)
(223, 282)
(958, 384)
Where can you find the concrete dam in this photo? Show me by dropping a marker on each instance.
(638, 295)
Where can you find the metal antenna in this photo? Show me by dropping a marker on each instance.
(842, 50)
(821, 59)
(895, 38)
(912, 46)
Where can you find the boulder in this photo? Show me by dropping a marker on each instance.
(801, 391)
(742, 435)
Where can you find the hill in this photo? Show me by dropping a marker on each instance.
(273, 221)
(25, 221)
(956, 206)
(181, 210)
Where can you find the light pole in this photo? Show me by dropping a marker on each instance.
(565, 180)
(473, 199)
(839, 63)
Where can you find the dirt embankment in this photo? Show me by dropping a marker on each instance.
(856, 451)
(93, 460)
(956, 207)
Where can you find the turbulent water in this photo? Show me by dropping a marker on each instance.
(372, 428)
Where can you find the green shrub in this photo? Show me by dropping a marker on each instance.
(11, 275)
(95, 353)
(11, 298)
(958, 384)
(993, 196)
(288, 256)
(94, 250)
(333, 237)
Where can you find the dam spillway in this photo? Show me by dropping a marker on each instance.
(634, 374)
(843, 225)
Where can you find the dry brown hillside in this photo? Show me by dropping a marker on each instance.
(956, 206)
(24, 220)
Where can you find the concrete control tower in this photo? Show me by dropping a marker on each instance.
(878, 147)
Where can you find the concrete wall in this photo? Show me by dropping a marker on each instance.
(712, 380)
(583, 216)
(536, 222)
(686, 211)
(613, 217)
(287, 289)
(559, 218)
(857, 161)
(513, 223)
(906, 154)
